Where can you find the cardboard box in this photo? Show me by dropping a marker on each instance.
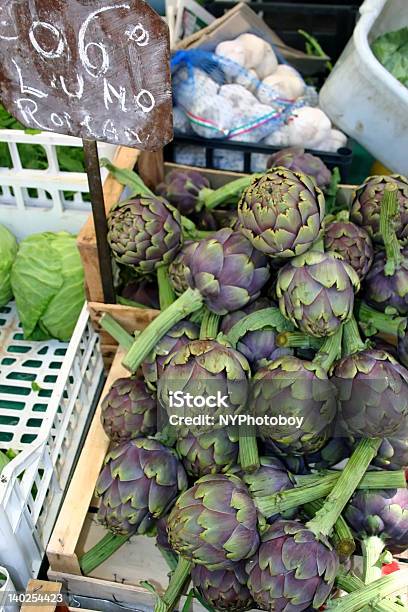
(242, 19)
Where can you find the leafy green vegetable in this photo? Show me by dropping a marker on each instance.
(391, 49)
(4, 460)
(8, 252)
(48, 285)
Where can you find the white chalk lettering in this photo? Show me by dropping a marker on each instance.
(83, 48)
(80, 91)
(57, 120)
(60, 43)
(108, 89)
(138, 99)
(131, 135)
(68, 120)
(141, 39)
(5, 24)
(26, 89)
(109, 130)
(85, 123)
(28, 108)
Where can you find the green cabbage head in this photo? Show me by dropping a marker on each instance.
(48, 285)
(8, 252)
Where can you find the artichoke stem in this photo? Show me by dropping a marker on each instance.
(266, 317)
(298, 340)
(101, 551)
(372, 548)
(174, 590)
(190, 301)
(213, 198)
(352, 339)
(209, 325)
(383, 323)
(248, 449)
(377, 590)
(116, 331)
(345, 486)
(389, 210)
(330, 350)
(350, 582)
(342, 537)
(166, 292)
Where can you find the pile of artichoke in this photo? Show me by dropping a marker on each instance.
(296, 319)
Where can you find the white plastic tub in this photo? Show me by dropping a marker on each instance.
(7, 591)
(362, 98)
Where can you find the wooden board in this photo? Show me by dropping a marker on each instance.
(99, 70)
(62, 548)
(50, 591)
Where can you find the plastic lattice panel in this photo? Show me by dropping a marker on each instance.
(28, 371)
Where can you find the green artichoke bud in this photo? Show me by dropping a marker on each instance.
(138, 484)
(224, 590)
(214, 523)
(281, 213)
(208, 453)
(144, 232)
(178, 270)
(316, 292)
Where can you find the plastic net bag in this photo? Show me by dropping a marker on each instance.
(223, 99)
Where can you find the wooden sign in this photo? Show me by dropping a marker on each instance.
(97, 69)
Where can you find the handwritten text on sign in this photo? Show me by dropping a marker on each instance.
(89, 68)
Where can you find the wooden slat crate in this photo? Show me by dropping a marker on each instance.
(150, 168)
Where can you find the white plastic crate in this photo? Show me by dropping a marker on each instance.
(362, 97)
(47, 390)
(5, 590)
(37, 200)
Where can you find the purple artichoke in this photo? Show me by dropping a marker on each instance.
(258, 345)
(142, 291)
(223, 590)
(214, 523)
(181, 334)
(301, 392)
(182, 189)
(382, 291)
(205, 368)
(366, 206)
(295, 158)
(162, 539)
(373, 395)
(316, 292)
(178, 270)
(292, 570)
(335, 451)
(352, 243)
(208, 453)
(227, 270)
(144, 233)
(281, 213)
(129, 410)
(380, 513)
(140, 481)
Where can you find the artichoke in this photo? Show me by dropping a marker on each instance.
(178, 270)
(335, 451)
(224, 271)
(144, 233)
(392, 454)
(366, 206)
(182, 189)
(292, 570)
(138, 484)
(179, 335)
(316, 292)
(383, 291)
(281, 213)
(205, 368)
(227, 271)
(142, 291)
(301, 391)
(380, 513)
(258, 345)
(352, 243)
(129, 410)
(162, 539)
(208, 453)
(295, 158)
(214, 523)
(223, 590)
(373, 394)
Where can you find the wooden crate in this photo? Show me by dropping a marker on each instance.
(151, 168)
(76, 531)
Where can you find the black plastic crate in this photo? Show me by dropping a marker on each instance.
(342, 158)
(332, 24)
